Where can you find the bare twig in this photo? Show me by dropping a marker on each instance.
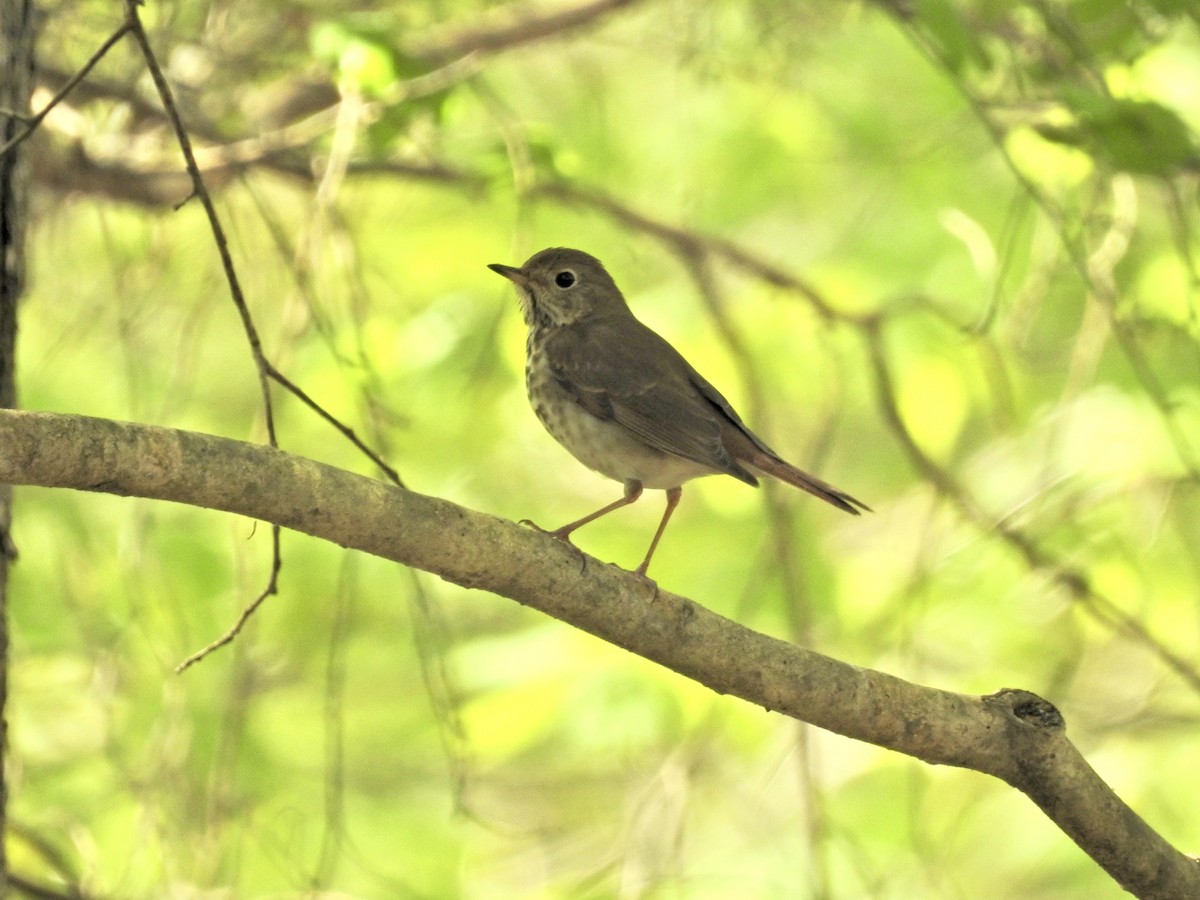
(49, 857)
(690, 243)
(392, 475)
(34, 121)
(36, 891)
(236, 629)
(266, 371)
(1073, 581)
(133, 24)
(525, 31)
(200, 192)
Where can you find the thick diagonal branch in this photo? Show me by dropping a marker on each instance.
(1012, 735)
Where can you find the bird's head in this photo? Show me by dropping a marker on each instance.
(560, 286)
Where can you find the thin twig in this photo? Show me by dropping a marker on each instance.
(236, 629)
(34, 121)
(392, 475)
(200, 192)
(688, 243)
(133, 24)
(39, 892)
(524, 31)
(266, 371)
(1073, 581)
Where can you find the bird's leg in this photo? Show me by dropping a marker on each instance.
(673, 495)
(633, 490)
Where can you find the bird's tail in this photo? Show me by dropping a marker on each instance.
(785, 472)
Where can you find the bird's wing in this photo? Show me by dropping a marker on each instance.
(624, 372)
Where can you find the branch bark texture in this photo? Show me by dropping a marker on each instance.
(1012, 735)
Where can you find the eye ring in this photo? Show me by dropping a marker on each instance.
(565, 279)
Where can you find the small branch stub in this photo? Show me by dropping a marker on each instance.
(1029, 708)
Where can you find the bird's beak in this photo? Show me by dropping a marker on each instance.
(512, 273)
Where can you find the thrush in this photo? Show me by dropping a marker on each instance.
(623, 401)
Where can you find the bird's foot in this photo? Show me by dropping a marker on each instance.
(559, 534)
(640, 571)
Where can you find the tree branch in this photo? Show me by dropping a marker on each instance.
(1012, 735)
(528, 29)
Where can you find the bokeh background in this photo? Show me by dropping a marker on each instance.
(943, 254)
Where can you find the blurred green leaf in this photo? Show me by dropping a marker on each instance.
(957, 42)
(1141, 137)
(360, 56)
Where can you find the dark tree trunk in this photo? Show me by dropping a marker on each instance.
(16, 78)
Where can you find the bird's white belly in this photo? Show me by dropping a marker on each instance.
(607, 447)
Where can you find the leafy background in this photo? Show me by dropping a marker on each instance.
(943, 254)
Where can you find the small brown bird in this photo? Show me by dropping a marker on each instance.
(623, 401)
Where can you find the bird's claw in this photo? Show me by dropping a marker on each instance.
(558, 535)
(640, 571)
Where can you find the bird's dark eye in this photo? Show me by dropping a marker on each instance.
(564, 279)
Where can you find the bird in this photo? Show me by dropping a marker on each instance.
(623, 401)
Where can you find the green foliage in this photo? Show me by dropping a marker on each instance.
(1129, 135)
(986, 216)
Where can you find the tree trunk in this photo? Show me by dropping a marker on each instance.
(16, 79)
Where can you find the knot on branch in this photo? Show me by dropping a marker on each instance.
(1029, 708)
